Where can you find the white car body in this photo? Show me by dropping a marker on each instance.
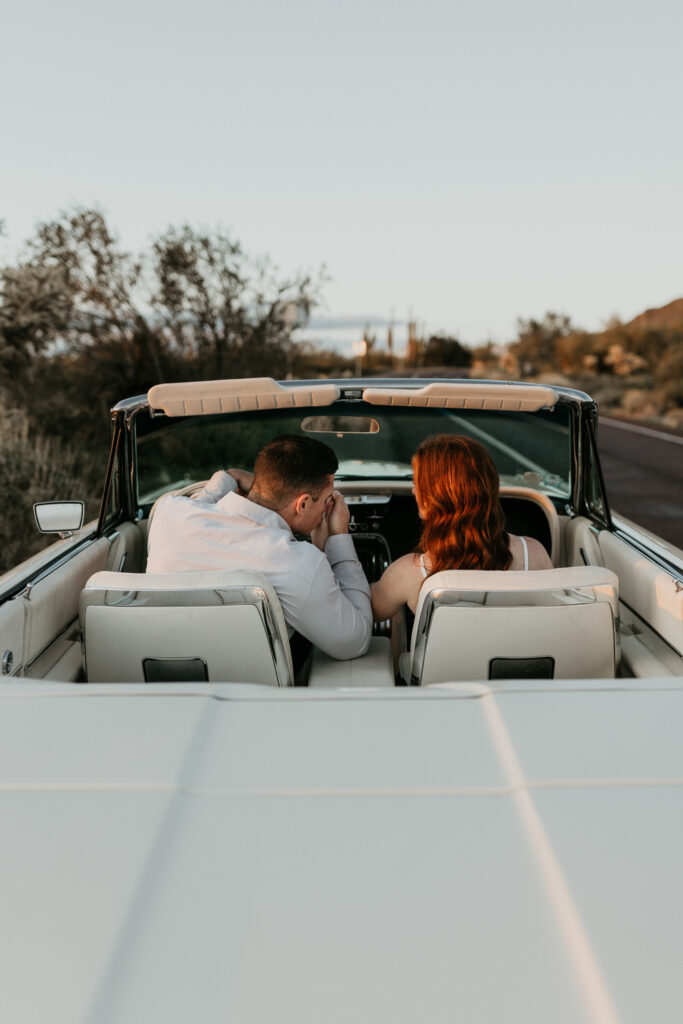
(476, 851)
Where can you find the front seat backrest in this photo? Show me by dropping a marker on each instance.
(551, 623)
(184, 627)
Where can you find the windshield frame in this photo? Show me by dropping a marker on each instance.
(569, 419)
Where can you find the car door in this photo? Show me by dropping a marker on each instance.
(650, 574)
(39, 599)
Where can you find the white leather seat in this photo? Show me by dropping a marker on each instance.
(553, 624)
(184, 627)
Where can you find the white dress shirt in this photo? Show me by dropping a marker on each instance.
(324, 596)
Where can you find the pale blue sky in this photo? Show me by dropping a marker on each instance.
(476, 161)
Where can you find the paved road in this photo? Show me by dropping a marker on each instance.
(643, 471)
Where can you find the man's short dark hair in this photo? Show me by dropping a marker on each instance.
(292, 464)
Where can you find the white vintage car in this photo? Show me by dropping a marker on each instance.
(481, 820)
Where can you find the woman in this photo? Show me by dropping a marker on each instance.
(456, 490)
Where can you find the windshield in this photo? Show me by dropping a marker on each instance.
(532, 449)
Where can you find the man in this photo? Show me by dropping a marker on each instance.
(322, 588)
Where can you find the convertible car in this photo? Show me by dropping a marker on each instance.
(479, 820)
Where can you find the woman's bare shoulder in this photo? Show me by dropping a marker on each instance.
(538, 556)
(406, 565)
(398, 584)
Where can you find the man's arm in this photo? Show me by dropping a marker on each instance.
(220, 484)
(337, 616)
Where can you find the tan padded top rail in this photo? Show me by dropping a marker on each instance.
(208, 397)
(464, 395)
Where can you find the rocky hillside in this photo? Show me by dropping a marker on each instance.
(661, 318)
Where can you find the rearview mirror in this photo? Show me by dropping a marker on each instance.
(340, 425)
(59, 516)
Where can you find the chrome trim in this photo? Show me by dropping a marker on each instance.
(422, 633)
(62, 534)
(653, 550)
(275, 640)
(368, 499)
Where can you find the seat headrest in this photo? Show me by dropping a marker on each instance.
(595, 580)
(177, 580)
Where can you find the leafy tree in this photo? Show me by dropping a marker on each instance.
(83, 322)
(35, 306)
(229, 314)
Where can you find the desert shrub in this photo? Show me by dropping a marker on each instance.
(639, 402)
(669, 378)
(577, 352)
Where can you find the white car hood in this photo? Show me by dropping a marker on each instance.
(243, 854)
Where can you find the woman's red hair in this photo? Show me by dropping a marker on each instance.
(456, 486)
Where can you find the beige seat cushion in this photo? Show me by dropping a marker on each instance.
(558, 623)
(231, 623)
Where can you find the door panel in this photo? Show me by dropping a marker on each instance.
(40, 625)
(12, 616)
(581, 544)
(646, 588)
(651, 607)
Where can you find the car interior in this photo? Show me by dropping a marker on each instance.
(608, 608)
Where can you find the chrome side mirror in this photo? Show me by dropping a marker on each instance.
(62, 517)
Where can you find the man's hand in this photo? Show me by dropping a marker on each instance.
(244, 479)
(338, 515)
(320, 534)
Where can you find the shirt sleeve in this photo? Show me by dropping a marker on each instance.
(337, 616)
(220, 484)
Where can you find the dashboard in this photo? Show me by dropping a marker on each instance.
(385, 523)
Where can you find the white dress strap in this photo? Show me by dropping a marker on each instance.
(526, 552)
(423, 567)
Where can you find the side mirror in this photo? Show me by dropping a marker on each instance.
(62, 517)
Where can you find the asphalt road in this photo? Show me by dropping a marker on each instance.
(643, 471)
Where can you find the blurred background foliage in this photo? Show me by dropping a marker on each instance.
(84, 323)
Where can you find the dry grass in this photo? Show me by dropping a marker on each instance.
(36, 467)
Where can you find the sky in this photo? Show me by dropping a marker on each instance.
(464, 163)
